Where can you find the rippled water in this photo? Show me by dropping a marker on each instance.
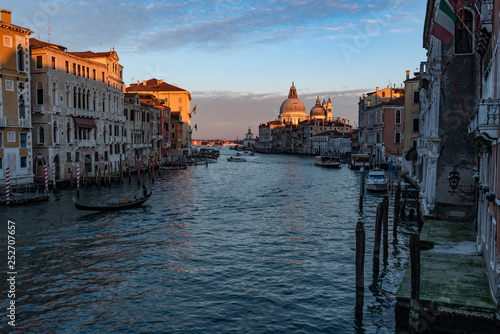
(258, 247)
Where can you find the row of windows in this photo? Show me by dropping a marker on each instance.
(23, 138)
(23, 162)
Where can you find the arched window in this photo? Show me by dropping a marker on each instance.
(54, 94)
(463, 30)
(39, 93)
(68, 133)
(55, 133)
(20, 58)
(103, 103)
(397, 137)
(397, 117)
(41, 135)
(68, 95)
(22, 110)
(95, 99)
(79, 98)
(74, 98)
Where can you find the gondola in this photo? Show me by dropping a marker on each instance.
(109, 207)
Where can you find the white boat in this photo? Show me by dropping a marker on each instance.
(231, 159)
(376, 180)
(329, 162)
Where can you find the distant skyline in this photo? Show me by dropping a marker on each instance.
(239, 58)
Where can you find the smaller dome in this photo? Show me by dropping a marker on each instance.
(318, 111)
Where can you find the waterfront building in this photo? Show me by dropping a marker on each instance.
(367, 136)
(142, 128)
(411, 123)
(15, 103)
(448, 96)
(484, 126)
(179, 102)
(265, 142)
(77, 111)
(249, 141)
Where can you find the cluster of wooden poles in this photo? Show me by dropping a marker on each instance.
(382, 233)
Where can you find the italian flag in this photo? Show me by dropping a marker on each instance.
(444, 25)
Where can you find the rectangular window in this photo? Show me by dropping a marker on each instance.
(1, 163)
(53, 63)
(79, 70)
(22, 140)
(106, 155)
(68, 156)
(180, 99)
(88, 76)
(39, 96)
(96, 156)
(74, 68)
(125, 113)
(416, 96)
(103, 77)
(416, 123)
(77, 156)
(24, 162)
(1, 139)
(93, 74)
(132, 115)
(39, 62)
(67, 66)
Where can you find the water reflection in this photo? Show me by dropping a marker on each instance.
(263, 246)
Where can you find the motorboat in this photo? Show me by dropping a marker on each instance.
(376, 181)
(231, 159)
(329, 162)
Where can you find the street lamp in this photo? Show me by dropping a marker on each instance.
(454, 179)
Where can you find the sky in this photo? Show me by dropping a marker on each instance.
(239, 58)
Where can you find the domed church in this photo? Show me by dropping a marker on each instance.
(318, 111)
(292, 110)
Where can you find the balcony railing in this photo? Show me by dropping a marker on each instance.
(56, 109)
(85, 113)
(25, 123)
(138, 123)
(484, 120)
(85, 143)
(70, 111)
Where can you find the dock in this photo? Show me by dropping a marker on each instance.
(23, 198)
(454, 290)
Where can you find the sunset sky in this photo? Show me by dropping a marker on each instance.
(239, 58)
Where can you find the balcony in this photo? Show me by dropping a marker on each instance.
(484, 120)
(85, 143)
(107, 115)
(70, 111)
(3, 121)
(56, 109)
(84, 113)
(25, 123)
(137, 123)
(39, 109)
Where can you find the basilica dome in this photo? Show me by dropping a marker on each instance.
(292, 109)
(318, 112)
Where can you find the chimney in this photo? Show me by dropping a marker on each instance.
(407, 74)
(144, 82)
(138, 82)
(6, 16)
(161, 81)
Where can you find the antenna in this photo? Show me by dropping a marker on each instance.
(49, 32)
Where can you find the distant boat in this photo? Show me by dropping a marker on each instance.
(376, 180)
(109, 207)
(231, 159)
(329, 162)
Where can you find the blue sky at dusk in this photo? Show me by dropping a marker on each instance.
(239, 58)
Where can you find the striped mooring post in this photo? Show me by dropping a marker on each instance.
(46, 176)
(7, 184)
(53, 175)
(77, 180)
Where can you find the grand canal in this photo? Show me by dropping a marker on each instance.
(258, 247)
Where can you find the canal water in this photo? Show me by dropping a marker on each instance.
(263, 246)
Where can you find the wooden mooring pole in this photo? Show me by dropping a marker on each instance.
(385, 220)
(415, 283)
(360, 269)
(397, 202)
(378, 231)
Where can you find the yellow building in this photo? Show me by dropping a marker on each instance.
(15, 102)
(179, 102)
